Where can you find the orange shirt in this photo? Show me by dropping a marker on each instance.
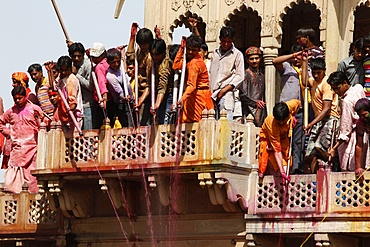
(275, 132)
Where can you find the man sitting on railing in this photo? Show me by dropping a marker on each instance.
(274, 138)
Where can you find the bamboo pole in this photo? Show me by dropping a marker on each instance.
(60, 19)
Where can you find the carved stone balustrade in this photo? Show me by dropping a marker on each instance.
(209, 142)
(28, 217)
(322, 204)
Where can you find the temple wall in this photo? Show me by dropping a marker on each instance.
(336, 25)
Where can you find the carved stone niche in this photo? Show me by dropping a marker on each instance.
(201, 3)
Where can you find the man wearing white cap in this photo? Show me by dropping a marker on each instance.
(98, 57)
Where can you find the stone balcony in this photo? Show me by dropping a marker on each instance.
(215, 163)
(28, 218)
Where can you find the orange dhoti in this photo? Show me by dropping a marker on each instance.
(266, 155)
(195, 104)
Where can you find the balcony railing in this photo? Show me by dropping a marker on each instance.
(208, 142)
(323, 193)
(28, 213)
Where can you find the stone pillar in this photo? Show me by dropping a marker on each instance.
(269, 54)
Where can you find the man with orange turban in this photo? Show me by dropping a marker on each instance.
(21, 79)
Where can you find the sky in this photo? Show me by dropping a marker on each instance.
(30, 32)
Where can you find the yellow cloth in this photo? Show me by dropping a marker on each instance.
(117, 124)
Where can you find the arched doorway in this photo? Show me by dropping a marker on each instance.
(362, 21)
(300, 15)
(247, 25)
(182, 23)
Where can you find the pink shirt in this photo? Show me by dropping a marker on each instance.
(101, 70)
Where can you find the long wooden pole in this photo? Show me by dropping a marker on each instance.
(182, 78)
(332, 140)
(136, 86)
(119, 6)
(60, 19)
(305, 83)
(305, 107)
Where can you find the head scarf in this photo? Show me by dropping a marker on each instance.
(22, 78)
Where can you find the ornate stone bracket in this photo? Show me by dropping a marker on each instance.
(65, 197)
(226, 189)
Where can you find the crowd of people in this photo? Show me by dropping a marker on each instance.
(322, 119)
(148, 82)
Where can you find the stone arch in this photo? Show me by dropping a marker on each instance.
(289, 23)
(247, 23)
(181, 20)
(361, 19)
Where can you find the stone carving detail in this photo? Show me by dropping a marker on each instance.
(82, 148)
(175, 5)
(229, 2)
(255, 1)
(267, 24)
(236, 146)
(211, 35)
(40, 212)
(129, 146)
(169, 140)
(188, 4)
(10, 212)
(201, 3)
(270, 26)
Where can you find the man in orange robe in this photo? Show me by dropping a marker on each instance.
(274, 137)
(197, 95)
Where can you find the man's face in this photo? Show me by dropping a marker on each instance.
(131, 70)
(64, 71)
(144, 47)
(54, 98)
(358, 55)
(19, 100)
(55, 72)
(115, 63)
(302, 41)
(297, 61)
(77, 58)
(97, 60)
(254, 61)
(157, 58)
(363, 115)
(191, 52)
(16, 82)
(318, 74)
(339, 89)
(36, 76)
(226, 43)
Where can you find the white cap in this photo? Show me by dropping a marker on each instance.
(97, 49)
